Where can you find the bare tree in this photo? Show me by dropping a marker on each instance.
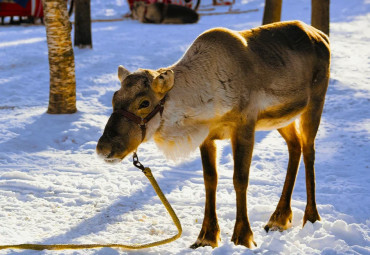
(62, 98)
(272, 11)
(320, 15)
(82, 24)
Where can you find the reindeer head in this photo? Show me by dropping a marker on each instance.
(139, 95)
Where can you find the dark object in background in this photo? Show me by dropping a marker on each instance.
(272, 11)
(82, 24)
(163, 13)
(320, 17)
(192, 4)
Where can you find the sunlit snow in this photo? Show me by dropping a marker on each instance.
(53, 188)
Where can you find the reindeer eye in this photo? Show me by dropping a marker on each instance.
(144, 104)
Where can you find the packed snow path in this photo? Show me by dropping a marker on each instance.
(53, 189)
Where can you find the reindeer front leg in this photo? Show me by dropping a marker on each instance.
(210, 233)
(242, 143)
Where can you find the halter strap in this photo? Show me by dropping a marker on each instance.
(142, 121)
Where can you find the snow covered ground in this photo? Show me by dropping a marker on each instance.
(53, 189)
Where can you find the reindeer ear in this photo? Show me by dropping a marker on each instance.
(163, 82)
(122, 73)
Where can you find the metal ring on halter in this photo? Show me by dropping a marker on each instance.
(136, 162)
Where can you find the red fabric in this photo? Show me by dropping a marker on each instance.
(11, 9)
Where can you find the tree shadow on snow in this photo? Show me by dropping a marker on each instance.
(61, 132)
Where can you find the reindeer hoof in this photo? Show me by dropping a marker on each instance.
(280, 220)
(311, 214)
(198, 244)
(267, 228)
(273, 228)
(246, 241)
(208, 236)
(203, 243)
(243, 235)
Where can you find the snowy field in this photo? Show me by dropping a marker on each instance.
(53, 188)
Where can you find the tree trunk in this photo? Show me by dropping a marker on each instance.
(272, 11)
(62, 98)
(82, 24)
(320, 17)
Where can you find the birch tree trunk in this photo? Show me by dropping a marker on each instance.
(62, 97)
(320, 17)
(272, 11)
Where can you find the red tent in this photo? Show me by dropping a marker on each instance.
(29, 8)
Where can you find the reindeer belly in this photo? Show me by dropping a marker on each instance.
(269, 124)
(280, 116)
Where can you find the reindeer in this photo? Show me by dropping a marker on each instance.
(228, 85)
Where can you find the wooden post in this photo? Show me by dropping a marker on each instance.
(62, 97)
(82, 24)
(272, 11)
(320, 15)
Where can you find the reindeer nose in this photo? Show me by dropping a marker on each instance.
(104, 148)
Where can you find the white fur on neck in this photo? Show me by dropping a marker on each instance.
(179, 146)
(178, 136)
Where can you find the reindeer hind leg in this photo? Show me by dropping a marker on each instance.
(309, 124)
(281, 219)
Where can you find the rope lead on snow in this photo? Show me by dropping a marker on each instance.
(148, 173)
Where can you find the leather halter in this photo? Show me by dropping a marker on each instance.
(142, 121)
